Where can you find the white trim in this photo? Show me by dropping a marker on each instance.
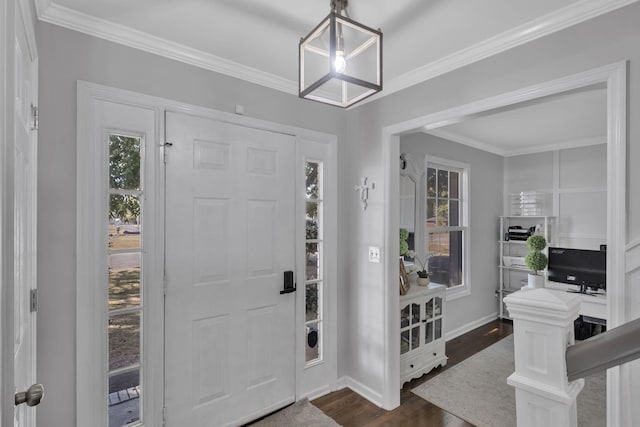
(557, 20)
(614, 75)
(91, 330)
(633, 256)
(117, 33)
(364, 391)
(470, 326)
(540, 27)
(484, 146)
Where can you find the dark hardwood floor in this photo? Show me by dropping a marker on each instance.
(351, 410)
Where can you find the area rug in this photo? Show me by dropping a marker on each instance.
(301, 413)
(476, 390)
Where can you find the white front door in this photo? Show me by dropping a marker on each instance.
(24, 232)
(230, 344)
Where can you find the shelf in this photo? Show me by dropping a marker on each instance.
(523, 242)
(526, 216)
(514, 268)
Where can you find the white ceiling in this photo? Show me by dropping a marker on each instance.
(566, 120)
(257, 40)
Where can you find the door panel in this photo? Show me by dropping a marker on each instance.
(229, 238)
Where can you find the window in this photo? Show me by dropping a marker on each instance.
(446, 222)
(125, 296)
(314, 252)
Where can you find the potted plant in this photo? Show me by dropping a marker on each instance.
(536, 260)
(404, 245)
(423, 274)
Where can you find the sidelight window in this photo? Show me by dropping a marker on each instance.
(314, 254)
(125, 290)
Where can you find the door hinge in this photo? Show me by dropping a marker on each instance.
(164, 285)
(35, 117)
(166, 145)
(164, 415)
(33, 300)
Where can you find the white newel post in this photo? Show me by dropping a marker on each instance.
(543, 328)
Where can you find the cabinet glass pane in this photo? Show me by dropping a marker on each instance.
(428, 332)
(429, 309)
(404, 342)
(124, 340)
(415, 337)
(438, 328)
(415, 313)
(437, 310)
(404, 316)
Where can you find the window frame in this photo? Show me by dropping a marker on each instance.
(464, 170)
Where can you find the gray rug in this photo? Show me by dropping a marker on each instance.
(476, 390)
(301, 413)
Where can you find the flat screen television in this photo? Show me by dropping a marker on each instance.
(581, 267)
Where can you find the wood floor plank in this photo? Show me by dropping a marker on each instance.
(349, 409)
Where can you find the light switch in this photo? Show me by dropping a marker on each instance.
(374, 254)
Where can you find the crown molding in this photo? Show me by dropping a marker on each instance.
(101, 28)
(560, 19)
(470, 142)
(484, 146)
(550, 23)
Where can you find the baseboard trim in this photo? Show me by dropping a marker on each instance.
(361, 389)
(470, 326)
(319, 392)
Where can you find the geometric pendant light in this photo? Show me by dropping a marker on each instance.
(340, 60)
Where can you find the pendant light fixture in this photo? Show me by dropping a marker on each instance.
(340, 60)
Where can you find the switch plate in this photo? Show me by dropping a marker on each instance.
(374, 254)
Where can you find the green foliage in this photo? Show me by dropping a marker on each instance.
(536, 242)
(423, 274)
(124, 174)
(404, 246)
(535, 259)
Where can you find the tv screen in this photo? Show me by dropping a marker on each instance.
(582, 267)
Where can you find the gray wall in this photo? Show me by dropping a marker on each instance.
(485, 205)
(65, 57)
(567, 52)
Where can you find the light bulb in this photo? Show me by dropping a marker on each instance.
(340, 63)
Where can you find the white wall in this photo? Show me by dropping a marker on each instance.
(568, 52)
(485, 205)
(66, 57)
(576, 181)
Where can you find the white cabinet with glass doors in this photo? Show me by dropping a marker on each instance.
(422, 344)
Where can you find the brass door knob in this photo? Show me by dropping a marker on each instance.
(31, 397)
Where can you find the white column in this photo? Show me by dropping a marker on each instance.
(543, 328)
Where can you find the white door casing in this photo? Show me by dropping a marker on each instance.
(230, 236)
(22, 146)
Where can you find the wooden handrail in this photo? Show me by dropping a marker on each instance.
(603, 351)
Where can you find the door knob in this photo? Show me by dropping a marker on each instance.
(31, 397)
